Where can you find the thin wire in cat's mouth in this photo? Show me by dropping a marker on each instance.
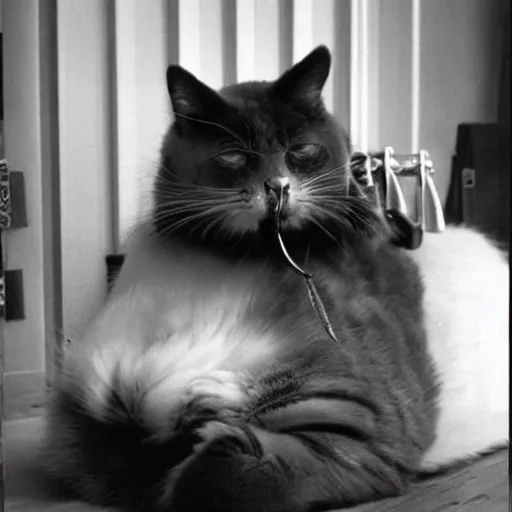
(314, 296)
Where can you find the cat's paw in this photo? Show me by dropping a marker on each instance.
(219, 395)
(227, 439)
(218, 440)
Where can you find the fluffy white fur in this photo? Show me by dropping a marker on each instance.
(467, 318)
(153, 341)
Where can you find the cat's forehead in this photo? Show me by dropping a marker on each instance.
(246, 94)
(252, 103)
(261, 112)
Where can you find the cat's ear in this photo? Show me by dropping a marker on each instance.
(303, 83)
(190, 97)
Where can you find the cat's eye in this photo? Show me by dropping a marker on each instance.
(305, 150)
(308, 154)
(232, 159)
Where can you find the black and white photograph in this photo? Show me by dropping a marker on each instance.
(254, 255)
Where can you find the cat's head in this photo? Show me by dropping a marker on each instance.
(224, 150)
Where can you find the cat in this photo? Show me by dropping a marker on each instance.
(207, 382)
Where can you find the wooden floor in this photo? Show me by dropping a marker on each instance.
(480, 487)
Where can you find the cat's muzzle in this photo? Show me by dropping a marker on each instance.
(278, 187)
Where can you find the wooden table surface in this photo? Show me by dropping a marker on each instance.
(479, 487)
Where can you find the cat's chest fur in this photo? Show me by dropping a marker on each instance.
(177, 316)
(204, 308)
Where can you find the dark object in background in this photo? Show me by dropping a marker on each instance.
(479, 193)
(19, 218)
(15, 302)
(114, 264)
(408, 234)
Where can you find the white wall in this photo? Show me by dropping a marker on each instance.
(24, 345)
(139, 58)
(85, 156)
(24, 341)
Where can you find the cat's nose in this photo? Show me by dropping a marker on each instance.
(277, 184)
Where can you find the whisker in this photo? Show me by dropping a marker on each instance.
(336, 195)
(344, 212)
(328, 188)
(352, 180)
(183, 185)
(181, 188)
(201, 223)
(218, 220)
(196, 202)
(197, 194)
(189, 197)
(334, 199)
(320, 179)
(331, 173)
(312, 219)
(187, 220)
(325, 187)
(170, 212)
(173, 208)
(165, 178)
